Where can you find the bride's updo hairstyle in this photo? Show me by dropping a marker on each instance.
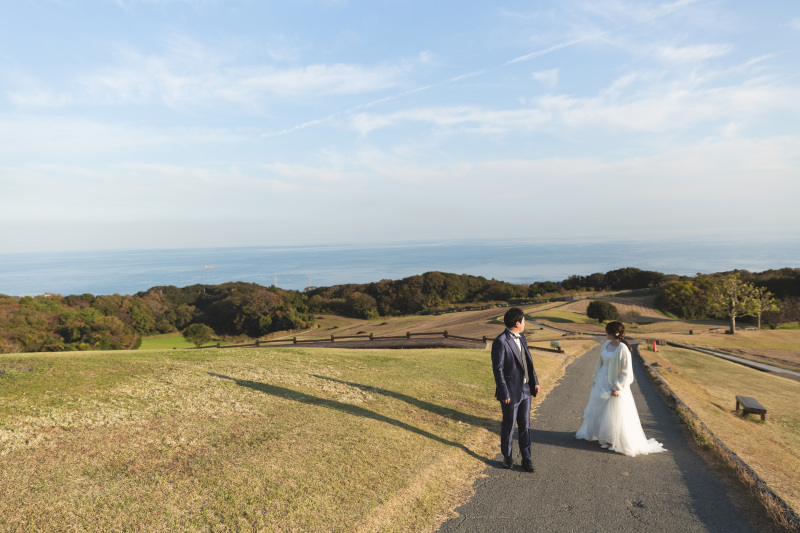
(617, 330)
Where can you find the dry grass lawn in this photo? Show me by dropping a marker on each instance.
(247, 439)
(474, 324)
(771, 339)
(643, 305)
(779, 347)
(708, 385)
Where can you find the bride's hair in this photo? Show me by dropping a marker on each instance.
(617, 330)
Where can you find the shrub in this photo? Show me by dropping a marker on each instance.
(198, 334)
(602, 311)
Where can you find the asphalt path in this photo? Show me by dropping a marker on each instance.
(578, 486)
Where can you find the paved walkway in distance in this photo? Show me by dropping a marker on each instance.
(578, 486)
(791, 374)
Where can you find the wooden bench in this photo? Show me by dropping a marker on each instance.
(750, 405)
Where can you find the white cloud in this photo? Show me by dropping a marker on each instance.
(669, 107)
(743, 172)
(190, 74)
(44, 138)
(548, 78)
(795, 23)
(298, 176)
(673, 108)
(312, 79)
(633, 11)
(464, 118)
(368, 169)
(407, 194)
(693, 54)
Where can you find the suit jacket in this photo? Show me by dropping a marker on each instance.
(508, 369)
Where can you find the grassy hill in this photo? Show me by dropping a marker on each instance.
(262, 439)
(173, 439)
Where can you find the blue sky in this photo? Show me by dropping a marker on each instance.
(194, 123)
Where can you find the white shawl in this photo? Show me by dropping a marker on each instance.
(620, 370)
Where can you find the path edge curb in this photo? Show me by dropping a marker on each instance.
(781, 511)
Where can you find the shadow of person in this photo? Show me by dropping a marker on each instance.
(354, 410)
(564, 439)
(477, 421)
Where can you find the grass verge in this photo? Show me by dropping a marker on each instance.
(765, 339)
(708, 386)
(246, 439)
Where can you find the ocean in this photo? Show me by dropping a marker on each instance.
(131, 271)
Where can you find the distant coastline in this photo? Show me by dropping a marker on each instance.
(131, 271)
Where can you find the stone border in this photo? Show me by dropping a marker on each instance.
(774, 503)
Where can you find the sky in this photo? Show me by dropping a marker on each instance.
(141, 124)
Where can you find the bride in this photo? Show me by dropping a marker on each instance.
(610, 416)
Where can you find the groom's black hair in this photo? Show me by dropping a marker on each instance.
(513, 316)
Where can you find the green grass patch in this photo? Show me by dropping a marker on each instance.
(261, 439)
(165, 342)
(170, 342)
(563, 317)
(790, 325)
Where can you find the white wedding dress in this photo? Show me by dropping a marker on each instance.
(614, 419)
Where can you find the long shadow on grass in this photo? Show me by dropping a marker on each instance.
(486, 423)
(308, 399)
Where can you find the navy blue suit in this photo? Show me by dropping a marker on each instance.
(509, 378)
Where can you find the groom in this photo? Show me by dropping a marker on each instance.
(515, 378)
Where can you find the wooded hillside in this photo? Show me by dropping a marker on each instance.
(109, 322)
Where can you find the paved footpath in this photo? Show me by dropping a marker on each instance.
(578, 486)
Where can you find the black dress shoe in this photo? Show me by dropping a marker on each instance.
(527, 465)
(507, 462)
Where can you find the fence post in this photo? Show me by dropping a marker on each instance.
(370, 337)
(218, 345)
(331, 337)
(258, 343)
(484, 338)
(294, 340)
(445, 334)
(408, 334)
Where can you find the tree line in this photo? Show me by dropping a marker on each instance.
(108, 322)
(436, 291)
(114, 322)
(771, 297)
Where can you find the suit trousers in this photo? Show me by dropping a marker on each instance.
(521, 414)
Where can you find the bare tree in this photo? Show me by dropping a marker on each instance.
(630, 316)
(731, 297)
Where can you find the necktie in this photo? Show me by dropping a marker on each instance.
(522, 357)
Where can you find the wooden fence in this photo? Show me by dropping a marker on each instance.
(334, 338)
(365, 337)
